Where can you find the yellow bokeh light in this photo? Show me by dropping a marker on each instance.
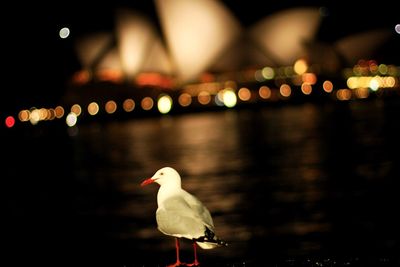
(309, 78)
(59, 110)
(264, 92)
(76, 108)
(390, 82)
(35, 116)
(300, 66)
(110, 106)
(24, 115)
(352, 82)
(285, 90)
(51, 114)
(362, 92)
(244, 94)
(185, 99)
(147, 103)
(93, 108)
(327, 86)
(343, 94)
(204, 97)
(306, 88)
(42, 114)
(128, 105)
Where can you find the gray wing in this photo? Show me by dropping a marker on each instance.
(183, 216)
(200, 209)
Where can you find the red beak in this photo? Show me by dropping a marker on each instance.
(147, 181)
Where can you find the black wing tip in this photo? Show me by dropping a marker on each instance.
(209, 237)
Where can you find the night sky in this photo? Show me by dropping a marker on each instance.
(37, 62)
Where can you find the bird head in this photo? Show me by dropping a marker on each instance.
(163, 176)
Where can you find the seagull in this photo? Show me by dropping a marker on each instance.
(182, 215)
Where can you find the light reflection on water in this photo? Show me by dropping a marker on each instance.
(269, 177)
(305, 180)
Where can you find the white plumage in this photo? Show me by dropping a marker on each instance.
(180, 214)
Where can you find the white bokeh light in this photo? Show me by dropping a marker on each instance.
(164, 104)
(64, 32)
(397, 28)
(71, 119)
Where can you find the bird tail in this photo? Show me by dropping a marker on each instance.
(211, 244)
(209, 240)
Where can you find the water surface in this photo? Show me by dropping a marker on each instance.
(285, 185)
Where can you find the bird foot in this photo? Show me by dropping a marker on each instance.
(176, 264)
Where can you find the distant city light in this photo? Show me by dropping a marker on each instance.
(343, 94)
(34, 117)
(374, 84)
(268, 73)
(309, 78)
(93, 108)
(244, 94)
(110, 107)
(264, 92)
(71, 119)
(147, 103)
(185, 99)
(229, 98)
(285, 90)
(327, 86)
(300, 66)
(10, 121)
(204, 97)
(24, 115)
(64, 33)
(383, 68)
(361, 92)
(397, 28)
(59, 110)
(275, 68)
(164, 104)
(306, 88)
(128, 105)
(76, 108)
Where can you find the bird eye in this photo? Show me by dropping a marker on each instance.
(161, 173)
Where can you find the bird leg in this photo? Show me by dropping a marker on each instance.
(178, 261)
(195, 262)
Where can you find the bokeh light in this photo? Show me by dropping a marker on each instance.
(71, 119)
(164, 104)
(64, 32)
(110, 106)
(229, 98)
(93, 108)
(147, 103)
(128, 105)
(10, 121)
